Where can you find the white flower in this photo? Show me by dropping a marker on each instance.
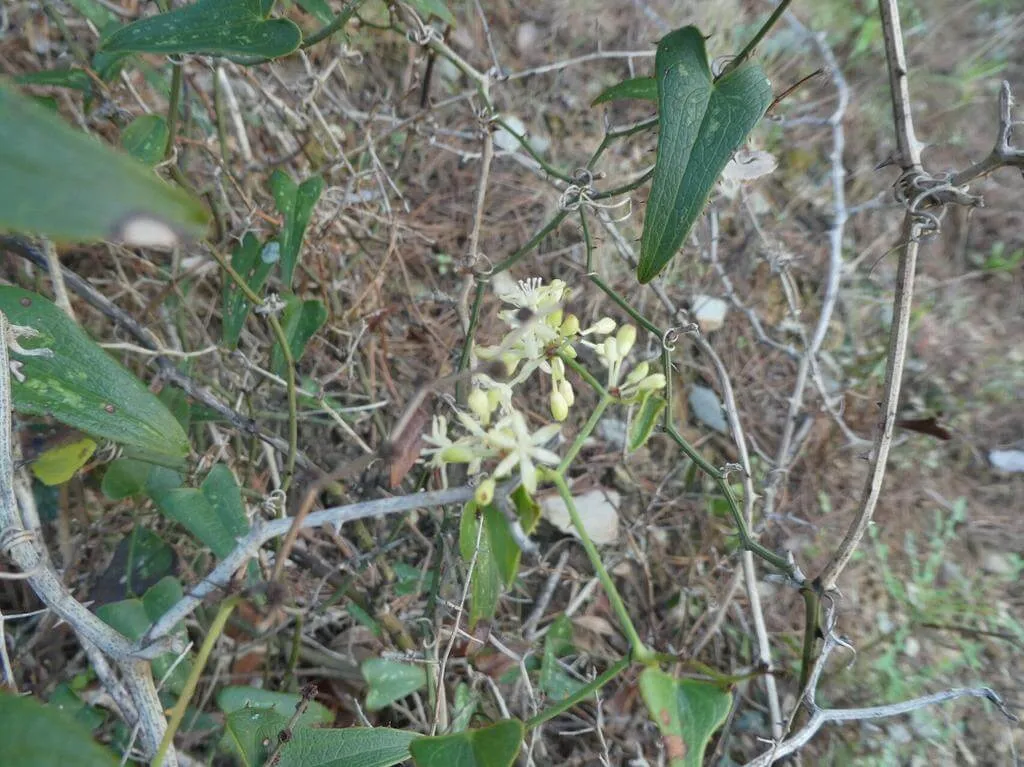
(512, 437)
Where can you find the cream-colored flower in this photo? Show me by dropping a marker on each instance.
(511, 436)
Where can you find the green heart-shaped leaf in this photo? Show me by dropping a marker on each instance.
(702, 122)
(390, 680)
(81, 385)
(687, 711)
(210, 27)
(66, 185)
(43, 736)
(493, 746)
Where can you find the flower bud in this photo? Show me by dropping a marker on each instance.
(479, 404)
(570, 326)
(557, 369)
(609, 350)
(565, 389)
(559, 407)
(604, 326)
(638, 373)
(626, 337)
(484, 492)
(457, 454)
(554, 319)
(652, 382)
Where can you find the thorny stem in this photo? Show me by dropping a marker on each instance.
(910, 162)
(178, 712)
(748, 49)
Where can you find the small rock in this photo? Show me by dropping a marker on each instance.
(1010, 461)
(911, 648)
(526, 37)
(504, 140)
(998, 563)
(612, 431)
(709, 312)
(706, 408)
(597, 508)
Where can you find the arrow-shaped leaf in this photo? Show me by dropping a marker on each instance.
(687, 711)
(211, 27)
(702, 122)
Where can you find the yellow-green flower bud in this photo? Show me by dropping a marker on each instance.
(638, 373)
(484, 492)
(480, 405)
(652, 382)
(557, 369)
(565, 389)
(626, 337)
(559, 407)
(604, 326)
(457, 454)
(554, 319)
(570, 326)
(609, 350)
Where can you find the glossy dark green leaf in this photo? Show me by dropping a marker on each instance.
(254, 264)
(42, 736)
(145, 138)
(686, 711)
(636, 88)
(295, 202)
(645, 420)
(81, 385)
(74, 78)
(300, 321)
(209, 27)
(493, 746)
(391, 680)
(252, 734)
(701, 123)
(236, 698)
(71, 187)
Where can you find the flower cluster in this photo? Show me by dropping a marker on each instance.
(540, 335)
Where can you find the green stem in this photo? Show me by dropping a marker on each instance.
(628, 187)
(638, 318)
(640, 652)
(756, 39)
(547, 167)
(533, 243)
(337, 23)
(585, 432)
(580, 695)
(289, 363)
(474, 320)
(811, 612)
(178, 712)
